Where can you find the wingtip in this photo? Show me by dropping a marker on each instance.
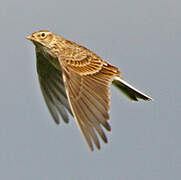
(57, 122)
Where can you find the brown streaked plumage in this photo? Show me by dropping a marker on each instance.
(74, 79)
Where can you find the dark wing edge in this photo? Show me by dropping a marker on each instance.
(53, 90)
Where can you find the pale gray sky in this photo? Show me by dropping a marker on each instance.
(141, 37)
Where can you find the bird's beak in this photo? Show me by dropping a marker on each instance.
(30, 38)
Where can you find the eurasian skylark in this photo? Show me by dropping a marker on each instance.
(74, 79)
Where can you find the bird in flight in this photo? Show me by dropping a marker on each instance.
(75, 80)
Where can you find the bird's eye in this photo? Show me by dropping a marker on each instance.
(43, 34)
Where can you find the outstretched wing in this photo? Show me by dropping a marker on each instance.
(89, 97)
(52, 86)
(87, 80)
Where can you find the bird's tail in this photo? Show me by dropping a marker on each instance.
(131, 92)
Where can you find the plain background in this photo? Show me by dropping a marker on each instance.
(142, 38)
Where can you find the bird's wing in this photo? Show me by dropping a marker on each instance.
(89, 97)
(52, 86)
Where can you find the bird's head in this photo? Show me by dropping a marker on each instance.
(46, 42)
(43, 38)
